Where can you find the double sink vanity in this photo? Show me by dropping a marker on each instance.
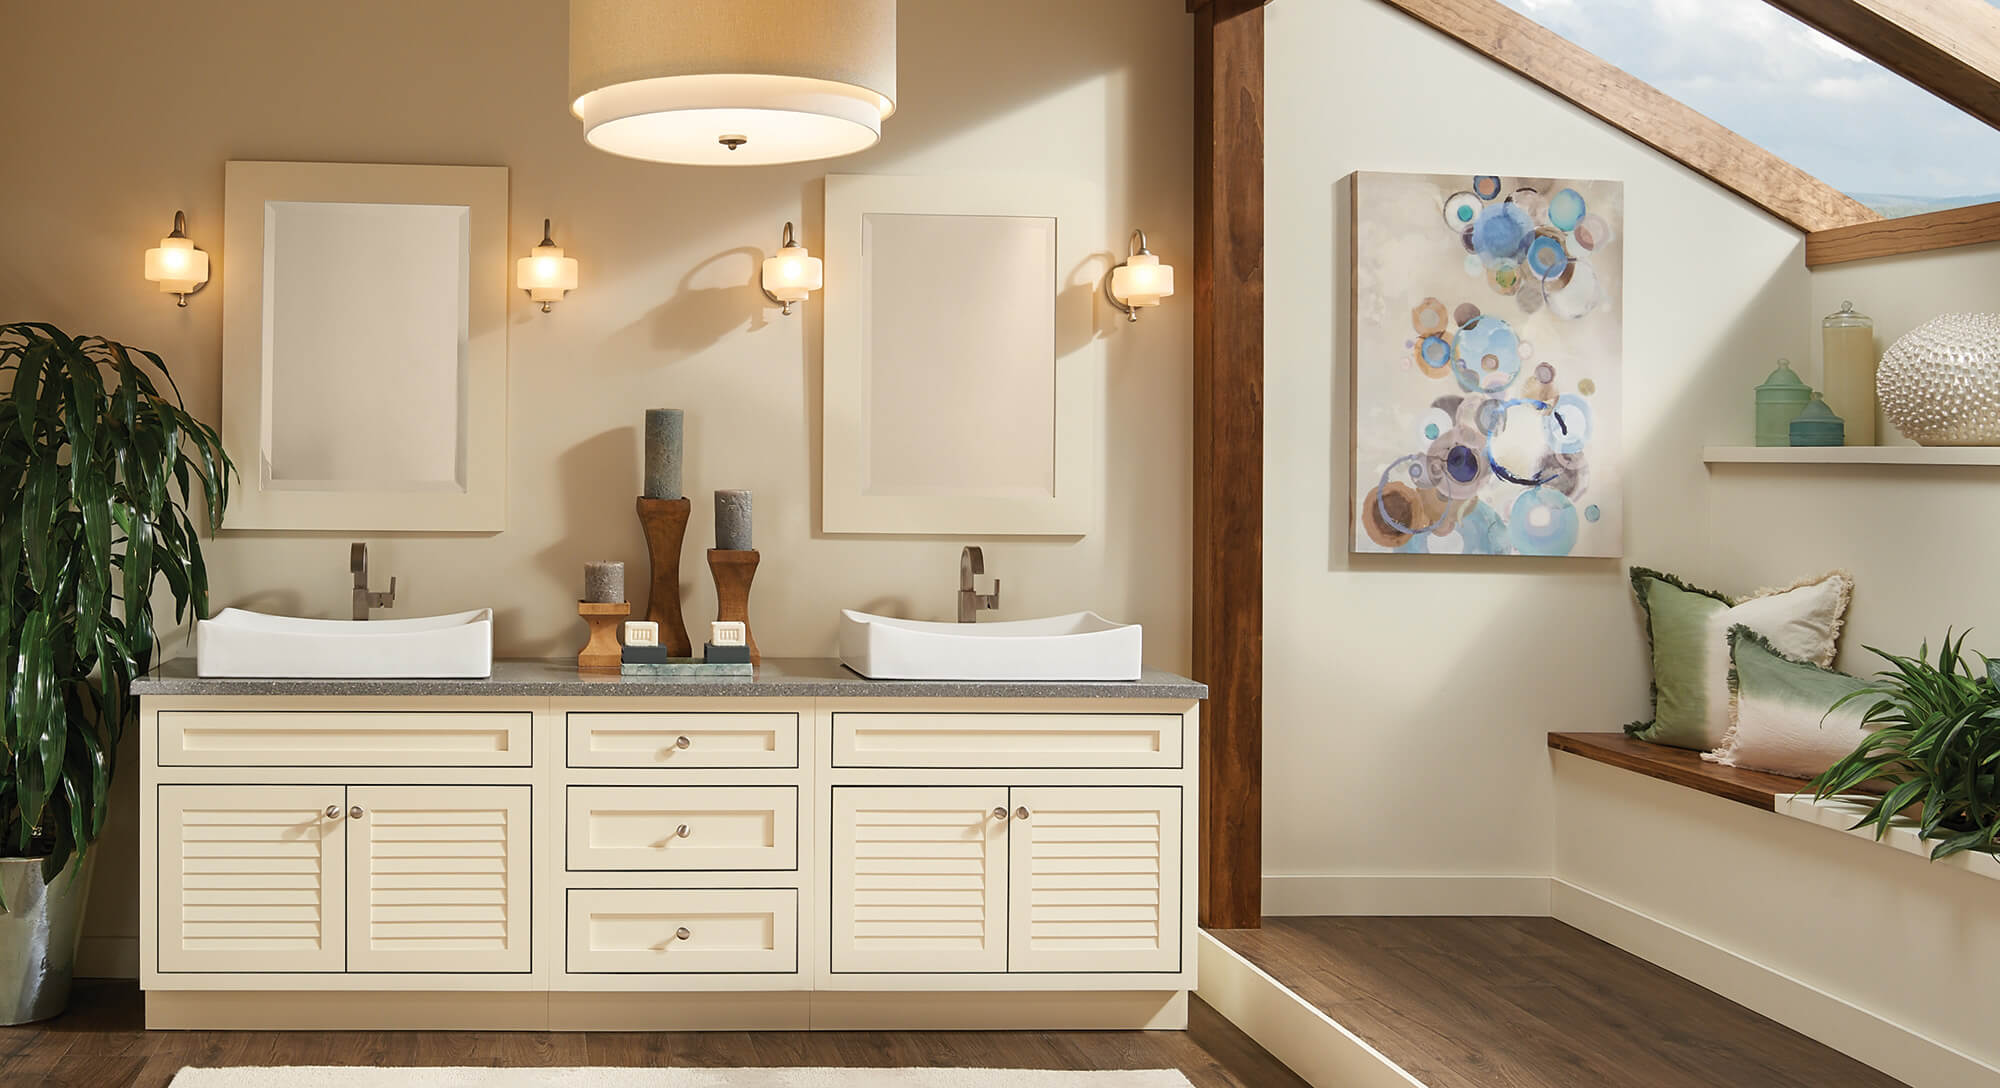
(545, 848)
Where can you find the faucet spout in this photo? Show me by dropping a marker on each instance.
(364, 598)
(971, 561)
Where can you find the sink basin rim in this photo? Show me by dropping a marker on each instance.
(1073, 647)
(239, 643)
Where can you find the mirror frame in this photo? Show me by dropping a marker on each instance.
(1081, 262)
(482, 505)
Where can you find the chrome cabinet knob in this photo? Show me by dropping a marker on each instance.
(683, 743)
(1022, 813)
(356, 812)
(333, 812)
(683, 934)
(1000, 813)
(682, 832)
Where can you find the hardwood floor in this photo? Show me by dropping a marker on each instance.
(1531, 1003)
(99, 1044)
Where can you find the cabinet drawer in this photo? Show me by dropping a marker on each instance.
(346, 738)
(691, 739)
(975, 739)
(679, 828)
(635, 931)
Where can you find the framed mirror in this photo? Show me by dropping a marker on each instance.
(364, 351)
(962, 369)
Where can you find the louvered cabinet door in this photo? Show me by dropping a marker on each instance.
(437, 878)
(919, 879)
(251, 878)
(1095, 879)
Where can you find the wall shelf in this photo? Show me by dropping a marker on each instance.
(1963, 456)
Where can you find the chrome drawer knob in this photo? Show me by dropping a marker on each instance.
(1022, 813)
(683, 743)
(333, 812)
(683, 934)
(682, 831)
(356, 812)
(1000, 813)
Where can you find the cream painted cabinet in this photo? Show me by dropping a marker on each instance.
(1073, 879)
(437, 878)
(1094, 878)
(252, 878)
(919, 879)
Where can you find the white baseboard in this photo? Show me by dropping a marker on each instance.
(1319, 1050)
(1896, 1050)
(1291, 895)
(108, 957)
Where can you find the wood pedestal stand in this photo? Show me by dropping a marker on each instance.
(602, 653)
(664, 523)
(733, 571)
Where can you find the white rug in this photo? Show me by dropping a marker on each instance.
(330, 1076)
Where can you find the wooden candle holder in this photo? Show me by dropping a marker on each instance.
(602, 653)
(664, 523)
(733, 571)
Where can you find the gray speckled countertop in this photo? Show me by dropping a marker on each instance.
(801, 677)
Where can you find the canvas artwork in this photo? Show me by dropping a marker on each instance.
(1487, 332)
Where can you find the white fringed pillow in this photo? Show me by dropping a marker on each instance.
(1782, 709)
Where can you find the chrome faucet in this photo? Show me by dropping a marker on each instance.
(365, 599)
(972, 561)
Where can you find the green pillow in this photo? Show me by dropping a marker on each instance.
(1784, 716)
(1689, 631)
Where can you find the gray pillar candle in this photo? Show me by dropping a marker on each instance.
(663, 453)
(604, 583)
(732, 521)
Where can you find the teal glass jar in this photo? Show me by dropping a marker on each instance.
(1779, 401)
(1817, 425)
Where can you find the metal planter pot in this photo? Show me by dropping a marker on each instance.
(39, 931)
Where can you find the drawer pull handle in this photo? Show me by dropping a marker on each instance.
(683, 743)
(683, 934)
(1022, 813)
(682, 832)
(333, 812)
(1000, 813)
(356, 812)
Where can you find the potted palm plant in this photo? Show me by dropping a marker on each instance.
(98, 469)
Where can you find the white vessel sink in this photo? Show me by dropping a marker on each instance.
(1079, 646)
(240, 643)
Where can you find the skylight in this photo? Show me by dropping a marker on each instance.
(1796, 92)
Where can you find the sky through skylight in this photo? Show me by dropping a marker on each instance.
(1792, 90)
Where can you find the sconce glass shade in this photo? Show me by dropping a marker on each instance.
(176, 265)
(736, 83)
(1142, 280)
(792, 274)
(545, 273)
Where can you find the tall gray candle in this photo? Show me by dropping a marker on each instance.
(732, 521)
(604, 582)
(663, 453)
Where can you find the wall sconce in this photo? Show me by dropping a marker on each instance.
(178, 267)
(791, 275)
(545, 273)
(1139, 281)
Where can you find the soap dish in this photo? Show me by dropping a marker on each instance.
(690, 668)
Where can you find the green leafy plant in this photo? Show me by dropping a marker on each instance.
(1936, 742)
(97, 470)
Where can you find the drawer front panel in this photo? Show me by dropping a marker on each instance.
(636, 931)
(975, 739)
(676, 739)
(346, 738)
(682, 828)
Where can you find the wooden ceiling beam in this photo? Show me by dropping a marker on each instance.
(1908, 234)
(1950, 48)
(1643, 112)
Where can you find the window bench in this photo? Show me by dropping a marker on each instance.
(1777, 793)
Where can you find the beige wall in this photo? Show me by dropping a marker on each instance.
(121, 112)
(1406, 699)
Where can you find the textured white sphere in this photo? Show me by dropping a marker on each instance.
(1939, 383)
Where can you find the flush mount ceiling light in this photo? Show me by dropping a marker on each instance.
(732, 82)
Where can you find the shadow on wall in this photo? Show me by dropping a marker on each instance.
(599, 471)
(711, 301)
